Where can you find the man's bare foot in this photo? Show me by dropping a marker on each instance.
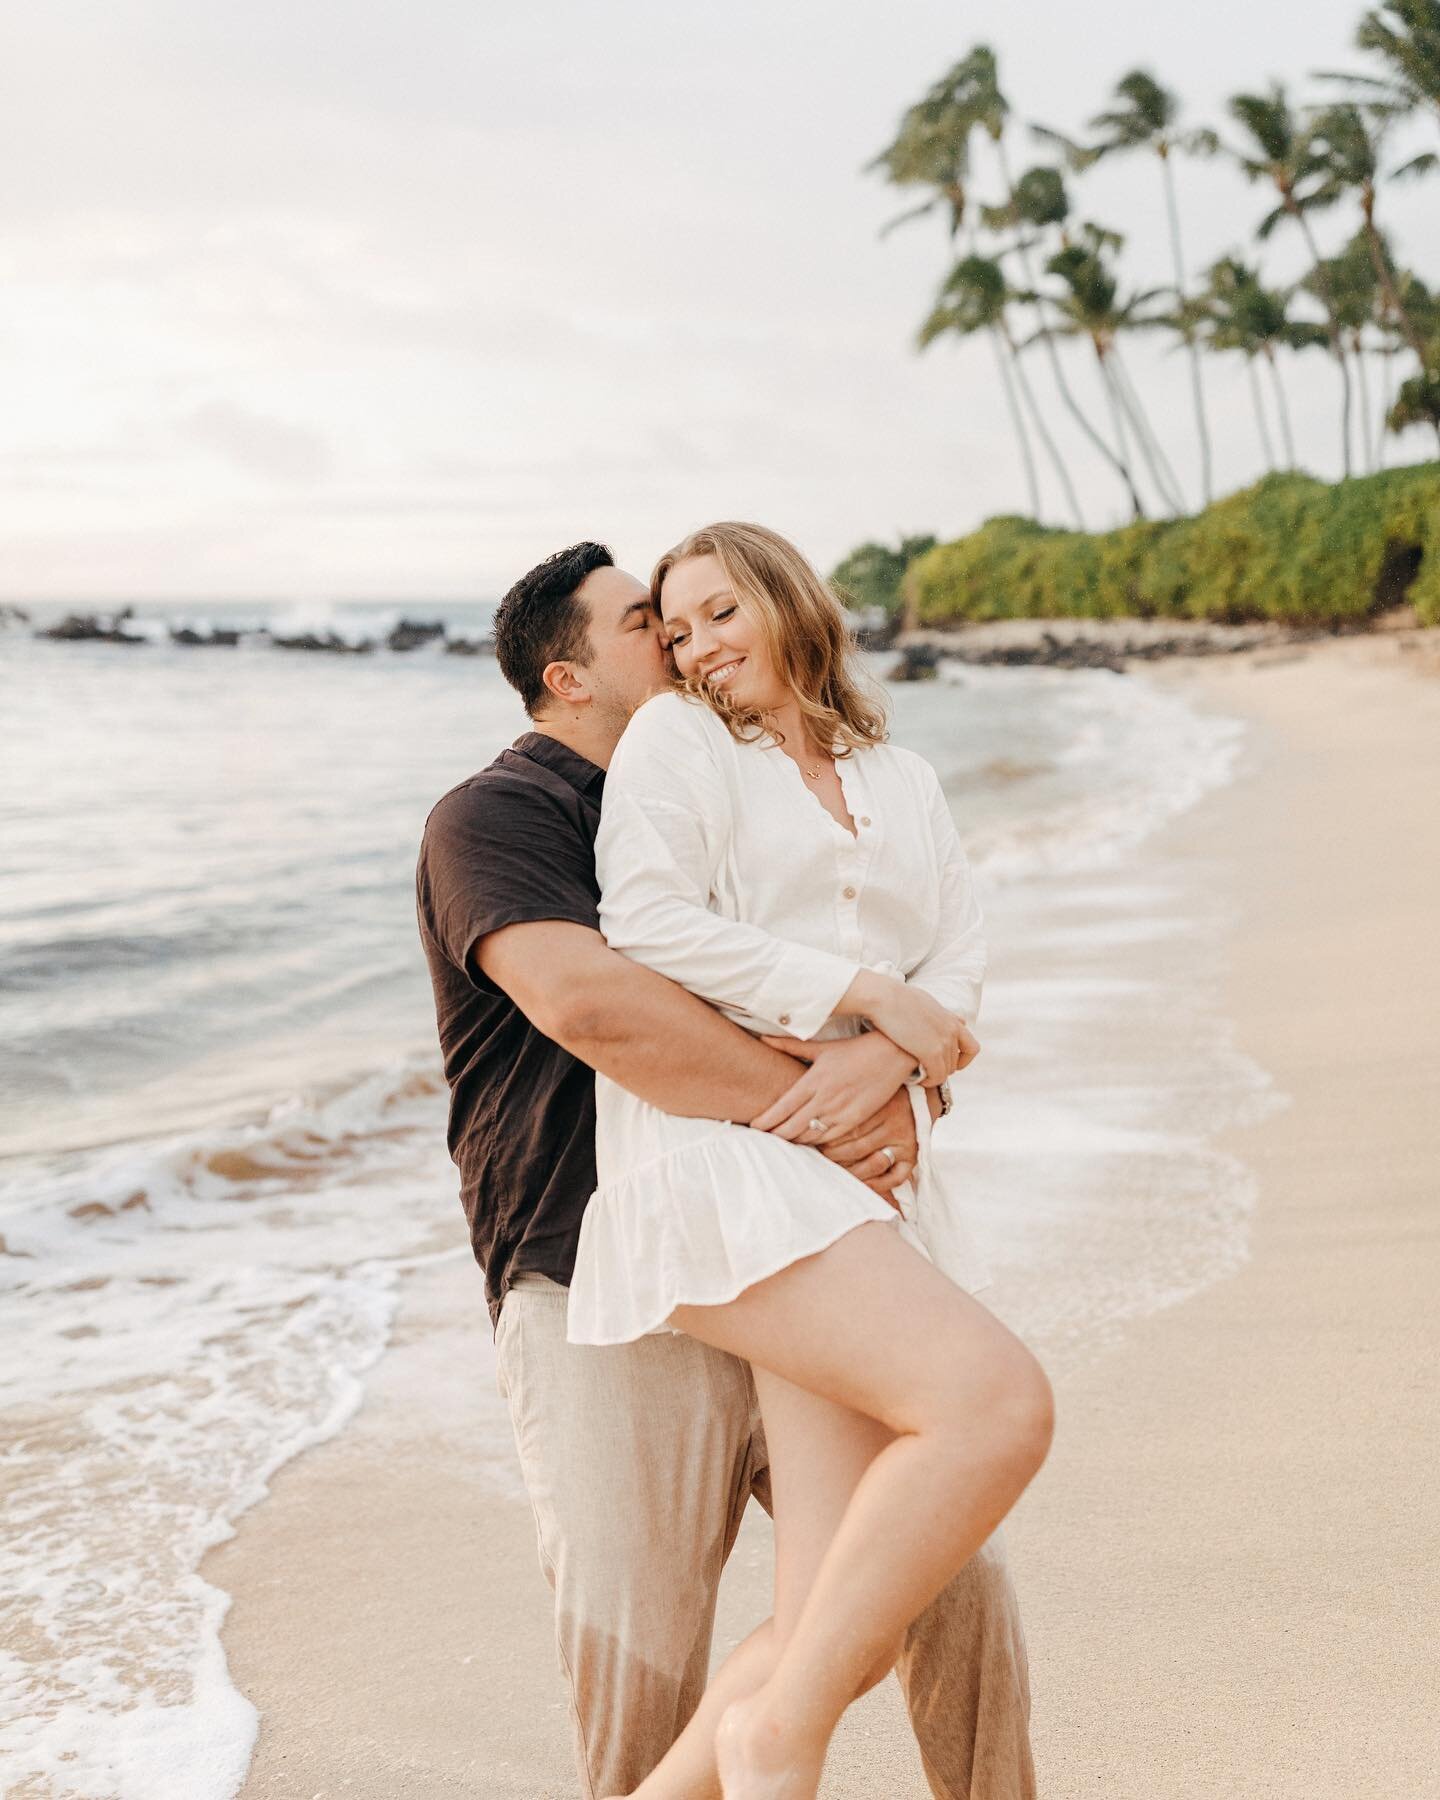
(757, 1760)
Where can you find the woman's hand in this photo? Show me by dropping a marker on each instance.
(848, 1081)
(939, 1041)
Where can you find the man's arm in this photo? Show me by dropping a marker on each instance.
(642, 1030)
(647, 1033)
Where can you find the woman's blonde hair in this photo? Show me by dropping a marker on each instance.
(804, 628)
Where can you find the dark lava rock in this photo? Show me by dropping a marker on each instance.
(186, 634)
(93, 628)
(329, 643)
(409, 634)
(918, 662)
(470, 647)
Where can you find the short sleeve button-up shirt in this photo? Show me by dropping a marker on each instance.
(514, 843)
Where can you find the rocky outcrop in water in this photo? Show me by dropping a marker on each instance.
(918, 662)
(218, 638)
(94, 628)
(410, 634)
(327, 643)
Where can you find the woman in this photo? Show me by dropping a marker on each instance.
(764, 846)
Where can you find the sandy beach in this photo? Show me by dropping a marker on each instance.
(1228, 1566)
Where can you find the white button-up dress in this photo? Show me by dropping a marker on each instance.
(721, 870)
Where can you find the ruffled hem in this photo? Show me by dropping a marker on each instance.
(700, 1224)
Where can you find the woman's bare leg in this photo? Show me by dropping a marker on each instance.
(818, 1452)
(687, 1771)
(872, 1326)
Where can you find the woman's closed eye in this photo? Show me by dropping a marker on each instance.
(677, 638)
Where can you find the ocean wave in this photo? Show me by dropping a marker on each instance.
(194, 1313)
(1129, 756)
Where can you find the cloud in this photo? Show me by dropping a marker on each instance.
(259, 445)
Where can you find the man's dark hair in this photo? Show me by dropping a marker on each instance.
(543, 620)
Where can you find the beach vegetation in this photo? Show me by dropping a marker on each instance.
(1289, 550)
(1035, 278)
(873, 574)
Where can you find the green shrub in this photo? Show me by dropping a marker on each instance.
(1288, 549)
(872, 575)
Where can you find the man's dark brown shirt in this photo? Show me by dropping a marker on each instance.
(514, 843)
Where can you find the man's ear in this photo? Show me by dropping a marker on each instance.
(566, 683)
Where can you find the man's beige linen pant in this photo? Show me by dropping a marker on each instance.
(639, 1460)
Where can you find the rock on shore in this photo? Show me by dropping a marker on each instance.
(1084, 643)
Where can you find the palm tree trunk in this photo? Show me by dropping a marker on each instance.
(1041, 427)
(1026, 456)
(1383, 276)
(1094, 436)
(1130, 396)
(1257, 397)
(1387, 356)
(1196, 385)
(1336, 346)
(1281, 407)
(1117, 419)
(1364, 402)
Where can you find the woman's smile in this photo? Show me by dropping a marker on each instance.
(722, 673)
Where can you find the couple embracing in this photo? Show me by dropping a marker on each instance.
(706, 952)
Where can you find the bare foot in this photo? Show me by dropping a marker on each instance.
(757, 1760)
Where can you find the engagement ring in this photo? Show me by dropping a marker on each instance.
(818, 1125)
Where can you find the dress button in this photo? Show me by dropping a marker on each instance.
(865, 821)
(849, 893)
(784, 1018)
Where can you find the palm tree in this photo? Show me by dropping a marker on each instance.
(975, 84)
(1243, 315)
(973, 299)
(931, 150)
(1405, 34)
(1145, 119)
(1089, 306)
(1418, 402)
(1356, 297)
(1349, 143)
(1289, 160)
(1033, 204)
(977, 287)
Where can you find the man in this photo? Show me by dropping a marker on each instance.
(639, 1458)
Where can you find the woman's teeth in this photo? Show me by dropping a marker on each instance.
(724, 670)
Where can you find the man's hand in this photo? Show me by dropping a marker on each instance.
(891, 1128)
(847, 1082)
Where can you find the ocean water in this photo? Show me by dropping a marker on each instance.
(221, 1113)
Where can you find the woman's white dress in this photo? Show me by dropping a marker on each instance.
(721, 870)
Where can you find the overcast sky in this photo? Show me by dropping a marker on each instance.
(311, 299)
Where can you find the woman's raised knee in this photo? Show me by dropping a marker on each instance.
(1008, 1407)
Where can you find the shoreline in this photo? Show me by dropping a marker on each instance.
(389, 1617)
(1079, 642)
